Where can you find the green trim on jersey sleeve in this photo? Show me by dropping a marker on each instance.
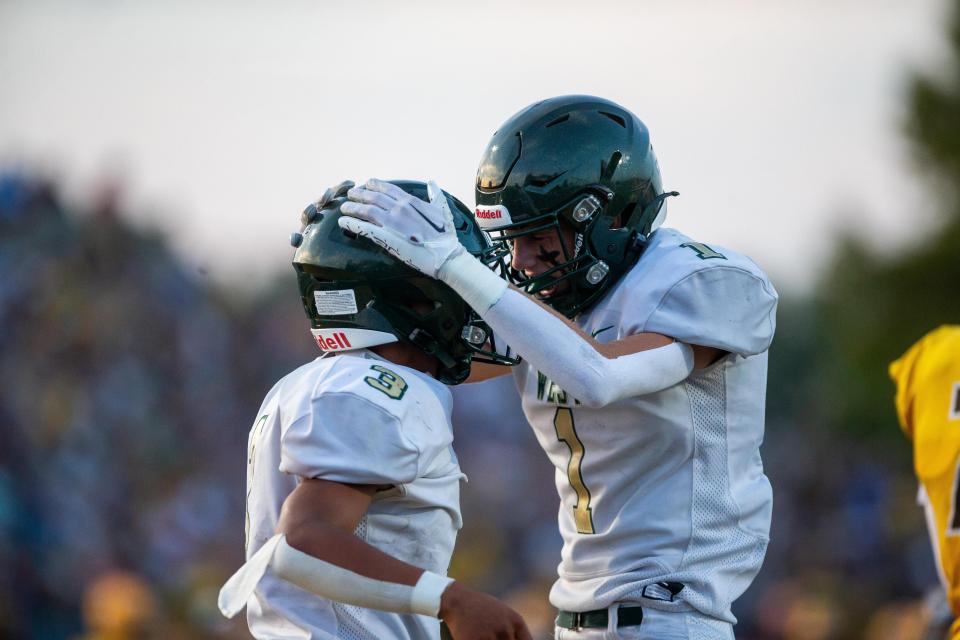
(704, 252)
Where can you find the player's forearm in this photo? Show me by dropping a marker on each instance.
(559, 349)
(344, 549)
(319, 518)
(334, 581)
(573, 363)
(315, 548)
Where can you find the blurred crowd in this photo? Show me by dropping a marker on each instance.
(128, 387)
(122, 413)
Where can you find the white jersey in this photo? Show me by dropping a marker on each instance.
(358, 419)
(666, 490)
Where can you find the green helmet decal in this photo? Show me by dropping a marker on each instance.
(359, 296)
(582, 161)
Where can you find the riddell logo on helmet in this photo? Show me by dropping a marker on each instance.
(495, 215)
(334, 342)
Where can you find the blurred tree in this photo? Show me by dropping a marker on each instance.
(870, 305)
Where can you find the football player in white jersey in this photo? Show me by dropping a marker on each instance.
(645, 364)
(353, 486)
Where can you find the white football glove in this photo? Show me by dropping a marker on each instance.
(419, 233)
(422, 235)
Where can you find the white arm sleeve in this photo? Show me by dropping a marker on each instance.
(553, 348)
(331, 582)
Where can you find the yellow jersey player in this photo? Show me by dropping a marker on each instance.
(928, 406)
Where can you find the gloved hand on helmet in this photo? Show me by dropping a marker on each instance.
(422, 235)
(419, 233)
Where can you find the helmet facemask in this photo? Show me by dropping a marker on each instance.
(576, 161)
(588, 236)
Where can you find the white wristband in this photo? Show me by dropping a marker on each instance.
(330, 581)
(479, 286)
(427, 592)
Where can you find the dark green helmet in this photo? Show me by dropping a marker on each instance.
(358, 296)
(587, 162)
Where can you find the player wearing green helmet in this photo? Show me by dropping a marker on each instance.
(578, 166)
(644, 364)
(352, 483)
(357, 297)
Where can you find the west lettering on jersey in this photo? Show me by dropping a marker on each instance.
(551, 390)
(556, 395)
(633, 475)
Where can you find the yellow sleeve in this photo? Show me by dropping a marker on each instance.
(928, 407)
(902, 372)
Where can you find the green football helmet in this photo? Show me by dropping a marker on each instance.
(581, 161)
(358, 296)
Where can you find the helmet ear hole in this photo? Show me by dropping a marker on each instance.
(409, 298)
(421, 308)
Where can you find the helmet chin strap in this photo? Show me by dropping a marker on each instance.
(429, 345)
(658, 204)
(417, 336)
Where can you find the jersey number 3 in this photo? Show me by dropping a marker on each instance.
(388, 382)
(582, 514)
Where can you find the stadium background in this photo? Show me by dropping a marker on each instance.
(129, 378)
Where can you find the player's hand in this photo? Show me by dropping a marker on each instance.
(419, 233)
(472, 615)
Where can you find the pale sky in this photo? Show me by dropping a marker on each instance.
(778, 121)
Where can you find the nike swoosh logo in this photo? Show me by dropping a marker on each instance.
(439, 229)
(599, 331)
